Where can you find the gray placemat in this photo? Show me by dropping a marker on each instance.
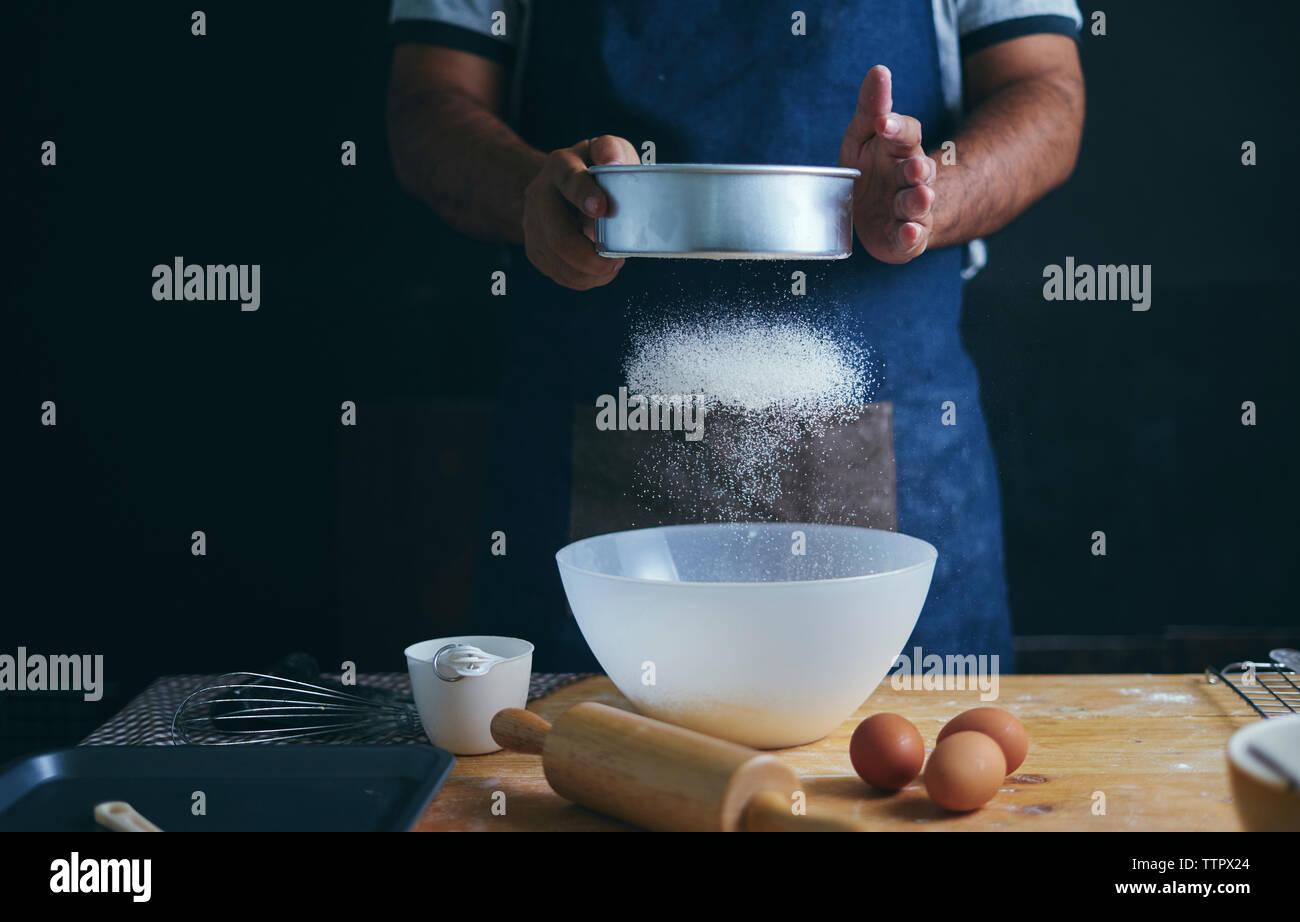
(147, 718)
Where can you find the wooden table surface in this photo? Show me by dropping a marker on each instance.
(1150, 749)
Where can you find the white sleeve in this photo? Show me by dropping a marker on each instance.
(497, 20)
(981, 23)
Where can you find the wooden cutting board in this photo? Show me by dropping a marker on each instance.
(1106, 752)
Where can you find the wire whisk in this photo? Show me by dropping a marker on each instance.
(251, 707)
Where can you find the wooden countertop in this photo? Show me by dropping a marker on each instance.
(1153, 745)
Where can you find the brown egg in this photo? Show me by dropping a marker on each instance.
(1005, 729)
(965, 770)
(887, 751)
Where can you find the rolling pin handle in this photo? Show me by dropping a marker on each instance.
(519, 730)
(770, 812)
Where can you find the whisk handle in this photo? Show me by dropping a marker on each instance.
(519, 730)
(120, 816)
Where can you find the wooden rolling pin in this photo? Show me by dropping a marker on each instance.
(659, 776)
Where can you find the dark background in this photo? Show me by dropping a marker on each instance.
(351, 543)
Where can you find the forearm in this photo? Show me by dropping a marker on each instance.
(1016, 145)
(461, 159)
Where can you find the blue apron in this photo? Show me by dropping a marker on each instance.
(710, 81)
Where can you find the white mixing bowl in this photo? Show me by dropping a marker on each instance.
(728, 629)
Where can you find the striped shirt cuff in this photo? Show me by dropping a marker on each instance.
(1008, 29)
(449, 35)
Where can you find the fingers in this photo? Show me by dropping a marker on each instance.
(876, 94)
(578, 281)
(913, 203)
(569, 175)
(572, 260)
(608, 149)
(875, 98)
(894, 198)
(580, 276)
(558, 240)
(581, 281)
(910, 240)
(573, 180)
(901, 134)
(915, 171)
(573, 248)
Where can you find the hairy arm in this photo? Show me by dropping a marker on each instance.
(1020, 140)
(450, 147)
(452, 151)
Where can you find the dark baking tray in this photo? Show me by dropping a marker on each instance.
(248, 788)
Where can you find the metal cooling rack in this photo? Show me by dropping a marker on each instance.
(1270, 688)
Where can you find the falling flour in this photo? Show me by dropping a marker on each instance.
(772, 388)
(750, 366)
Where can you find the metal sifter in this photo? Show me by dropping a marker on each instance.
(726, 211)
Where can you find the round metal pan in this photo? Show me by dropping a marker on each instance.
(722, 211)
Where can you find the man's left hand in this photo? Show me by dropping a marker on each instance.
(893, 199)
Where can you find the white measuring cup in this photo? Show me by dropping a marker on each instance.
(456, 705)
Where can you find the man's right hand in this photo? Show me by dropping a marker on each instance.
(560, 208)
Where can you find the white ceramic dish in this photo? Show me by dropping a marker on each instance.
(1261, 756)
(726, 629)
(457, 714)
